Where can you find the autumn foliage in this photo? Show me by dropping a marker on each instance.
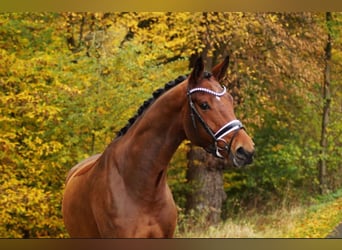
(69, 82)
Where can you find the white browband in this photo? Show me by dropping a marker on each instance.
(208, 91)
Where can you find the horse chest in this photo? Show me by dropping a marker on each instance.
(141, 227)
(150, 222)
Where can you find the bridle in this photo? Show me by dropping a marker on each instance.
(230, 127)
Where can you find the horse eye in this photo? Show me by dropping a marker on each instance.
(204, 106)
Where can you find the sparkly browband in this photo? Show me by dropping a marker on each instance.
(208, 91)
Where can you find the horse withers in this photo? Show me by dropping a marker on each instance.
(123, 192)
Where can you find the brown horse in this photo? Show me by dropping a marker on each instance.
(123, 191)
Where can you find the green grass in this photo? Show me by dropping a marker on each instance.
(315, 221)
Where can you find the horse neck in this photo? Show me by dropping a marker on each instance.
(146, 149)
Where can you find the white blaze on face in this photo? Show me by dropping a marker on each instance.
(218, 98)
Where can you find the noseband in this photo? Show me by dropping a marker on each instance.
(232, 126)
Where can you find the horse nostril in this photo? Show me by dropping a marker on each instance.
(242, 153)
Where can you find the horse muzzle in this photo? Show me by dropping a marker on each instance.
(241, 157)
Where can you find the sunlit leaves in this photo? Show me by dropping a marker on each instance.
(318, 222)
(28, 211)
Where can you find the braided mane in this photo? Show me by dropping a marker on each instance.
(148, 103)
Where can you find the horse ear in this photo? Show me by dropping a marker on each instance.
(220, 70)
(197, 72)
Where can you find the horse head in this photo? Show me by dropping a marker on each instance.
(210, 121)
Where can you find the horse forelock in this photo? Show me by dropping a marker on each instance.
(155, 95)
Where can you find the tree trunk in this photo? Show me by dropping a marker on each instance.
(205, 176)
(322, 165)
